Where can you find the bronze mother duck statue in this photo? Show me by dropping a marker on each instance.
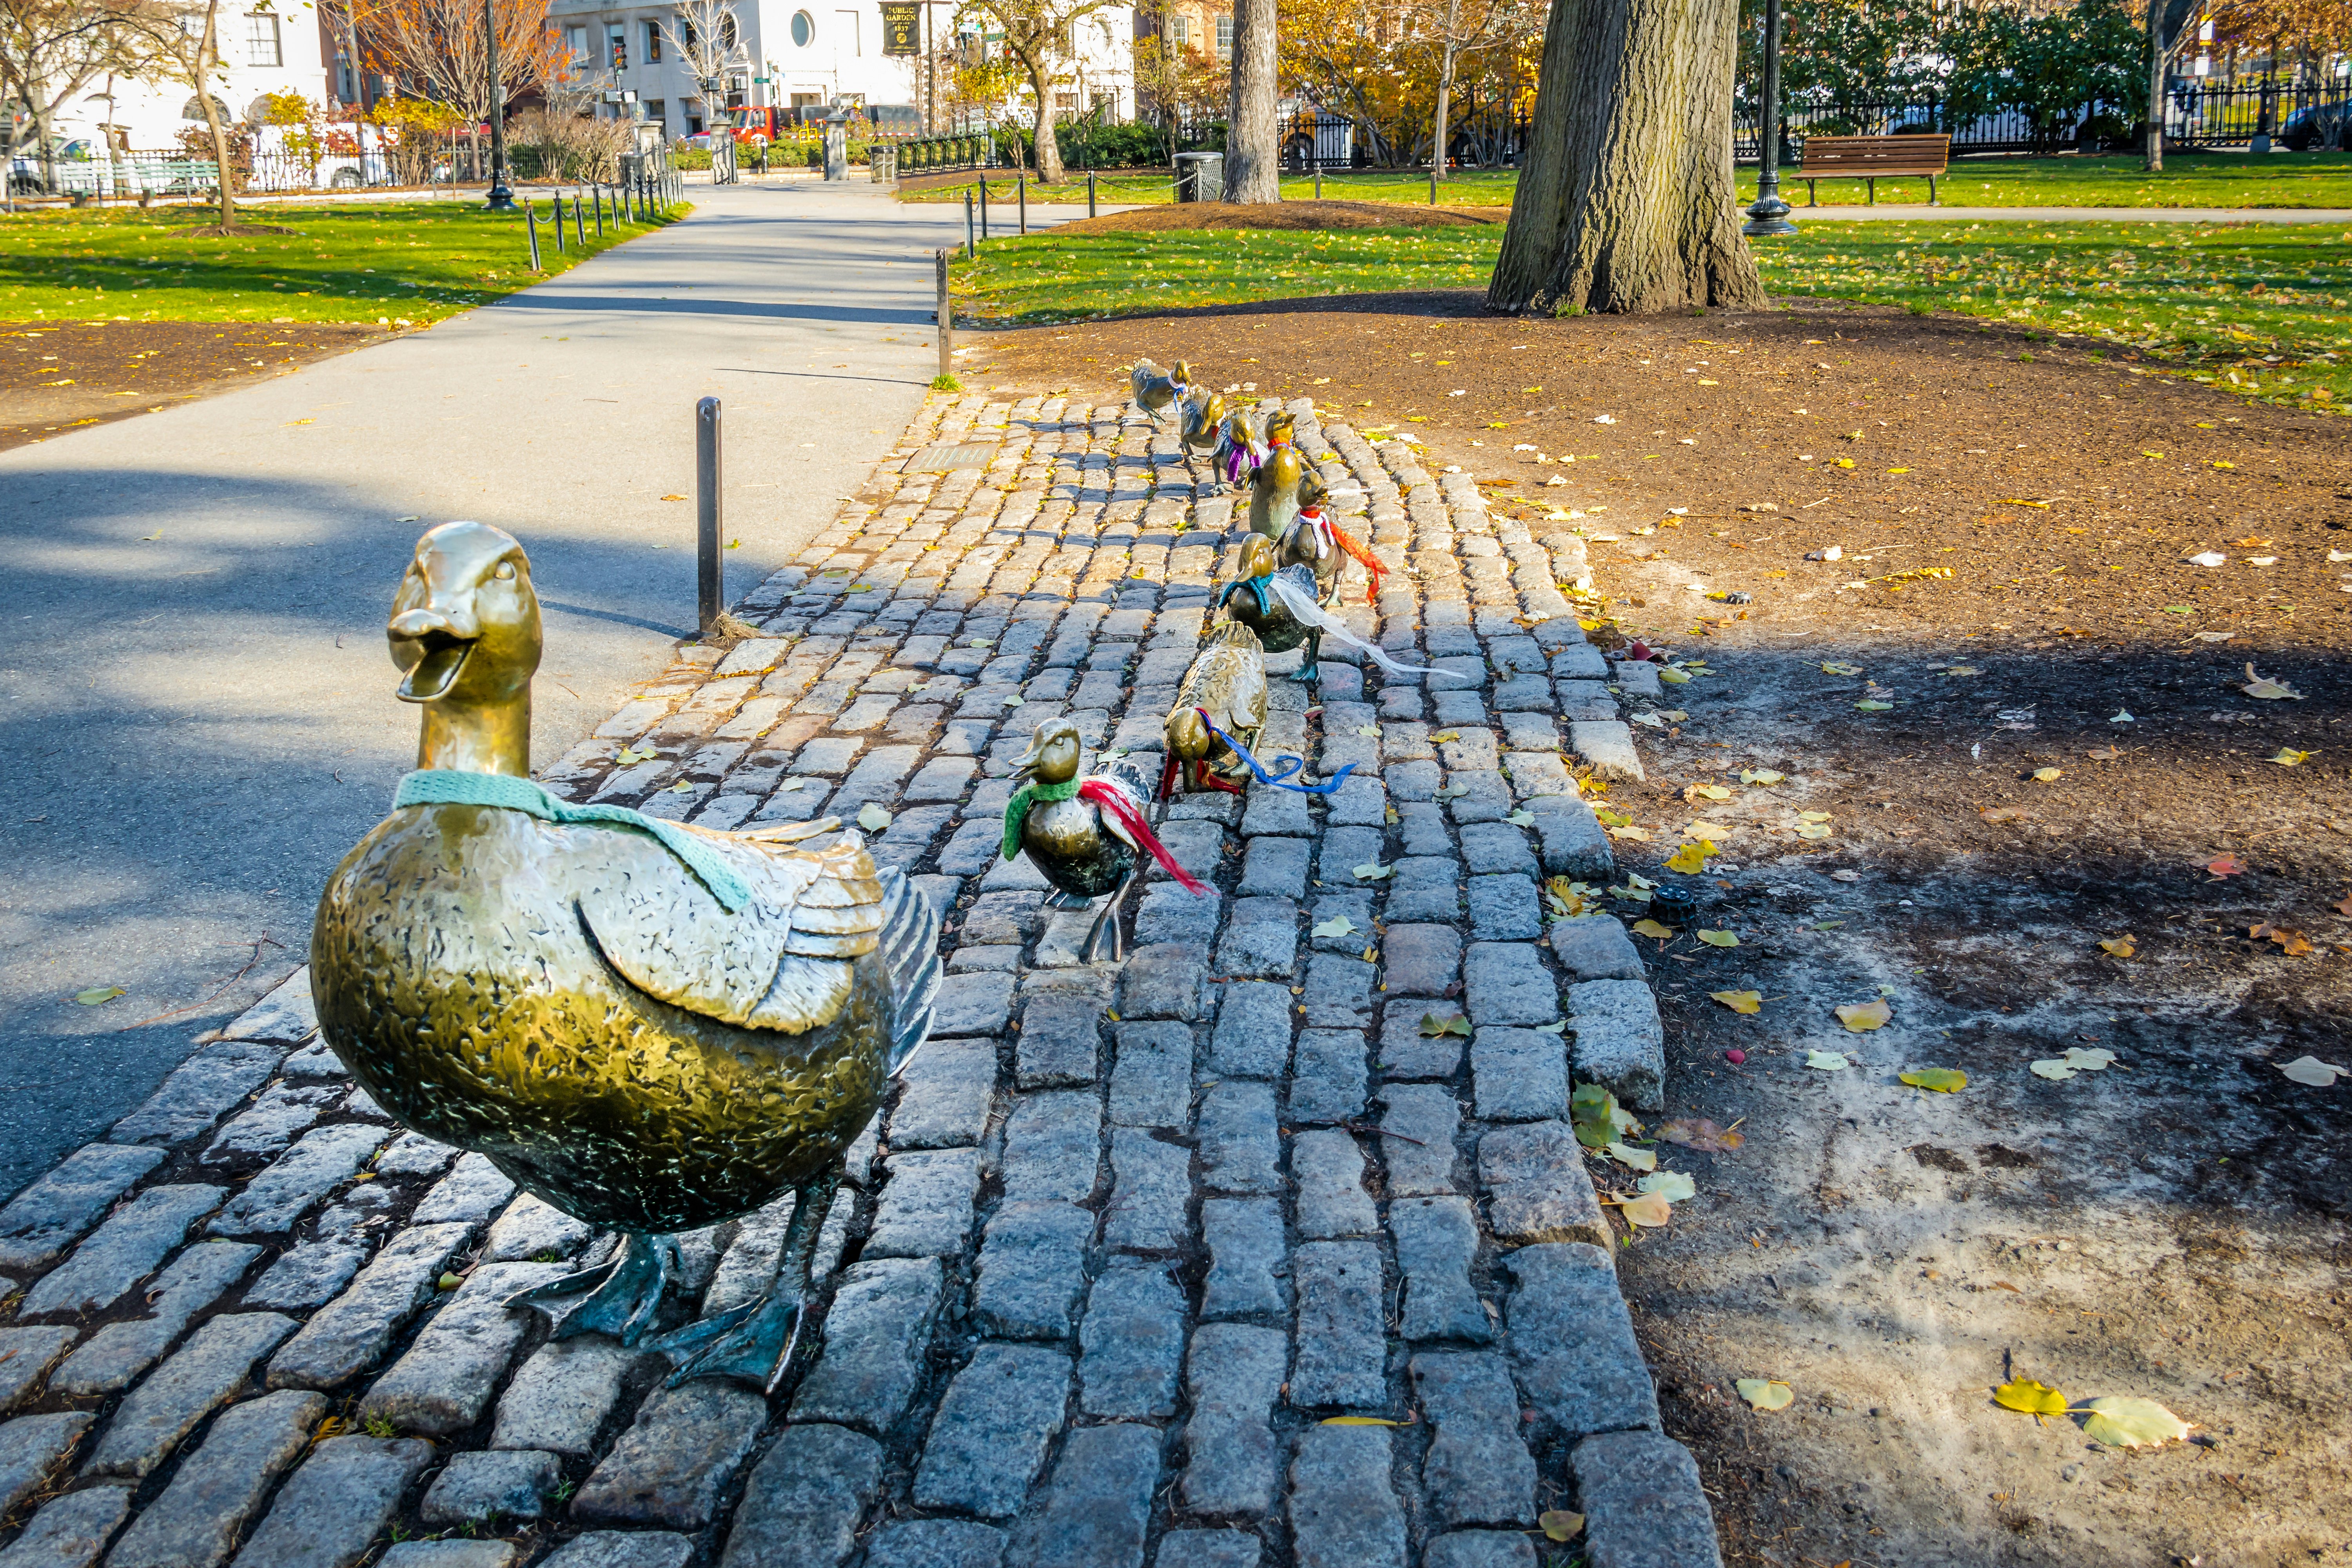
(653, 1028)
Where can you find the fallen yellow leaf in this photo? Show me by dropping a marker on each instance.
(1862, 1017)
(1740, 1000)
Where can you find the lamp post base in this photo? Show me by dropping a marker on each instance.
(500, 200)
(1768, 218)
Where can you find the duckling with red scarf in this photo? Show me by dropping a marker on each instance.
(1224, 691)
(1285, 480)
(1088, 837)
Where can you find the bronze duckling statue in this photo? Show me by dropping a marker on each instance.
(1199, 419)
(653, 1028)
(1248, 600)
(1088, 837)
(1155, 388)
(1223, 689)
(1285, 479)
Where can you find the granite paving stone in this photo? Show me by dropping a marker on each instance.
(669, 1469)
(1477, 1469)
(1480, 1549)
(26, 1354)
(1343, 1512)
(532, 1229)
(1505, 983)
(443, 1382)
(1537, 1188)
(935, 1543)
(450, 1554)
(1328, 1078)
(560, 1398)
(1248, 1258)
(206, 1372)
(118, 1352)
(1261, 938)
(1252, 1038)
(1436, 1243)
(1620, 1044)
(1032, 1271)
(1327, 1172)
(1418, 1121)
(1505, 908)
(949, 1088)
(1571, 1344)
(1340, 1343)
(972, 1005)
(1131, 1345)
(1097, 1506)
(1053, 1147)
(1644, 1506)
(878, 1335)
(1425, 888)
(471, 1194)
(1234, 1375)
(490, 1484)
(1519, 1075)
(623, 1549)
(1240, 1151)
(805, 1500)
(1152, 1082)
(925, 1205)
(49, 1216)
(330, 1512)
(309, 1274)
(351, 1334)
(199, 1091)
(1338, 993)
(124, 1251)
(1421, 959)
(71, 1532)
(1168, 914)
(32, 1447)
(1408, 1049)
(1209, 1548)
(1150, 1182)
(988, 1442)
(323, 1159)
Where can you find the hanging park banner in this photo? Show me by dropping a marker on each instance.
(902, 28)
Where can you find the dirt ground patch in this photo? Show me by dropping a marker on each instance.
(1285, 216)
(2173, 1226)
(55, 375)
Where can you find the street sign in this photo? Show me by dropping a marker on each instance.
(901, 29)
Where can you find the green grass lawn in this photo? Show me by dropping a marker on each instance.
(2264, 310)
(2190, 180)
(405, 262)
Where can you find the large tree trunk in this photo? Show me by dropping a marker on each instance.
(1626, 201)
(2154, 162)
(1445, 86)
(1252, 139)
(207, 60)
(1049, 146)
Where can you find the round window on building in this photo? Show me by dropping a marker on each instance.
(804, 30)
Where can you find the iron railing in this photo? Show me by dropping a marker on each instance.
(2228, 114)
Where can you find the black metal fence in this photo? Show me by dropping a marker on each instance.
(2226, 114)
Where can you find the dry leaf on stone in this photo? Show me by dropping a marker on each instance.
(1942, 1080)
(1648, 927)
(2125, 1423)
(1433, 1027)
(1360, 1420)
(2291, 941)
(1701, 1133)
(872, 817)
(2314, 1072)
(1827, 1061)
(1373, 871)
(1650, 1209)
(1740, 1000)
(1766, 1394)
(1760, 776)
(98, 994)
(1338, 925)
(2036, 1399)
(1707, 791)
(1691, 858)
(1671, 676)
(2269, 690)
(2123, 946)
(1558, 1525)
(1639, 1159)
(1860, 1016)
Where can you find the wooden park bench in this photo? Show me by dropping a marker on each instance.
(1873, 159)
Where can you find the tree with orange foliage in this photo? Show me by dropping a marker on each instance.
(439, 45)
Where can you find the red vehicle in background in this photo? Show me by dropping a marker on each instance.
(758, 127)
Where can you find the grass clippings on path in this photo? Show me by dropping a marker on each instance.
(2050, 750)
(396, 264)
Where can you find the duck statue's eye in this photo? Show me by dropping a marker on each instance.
(505, 572)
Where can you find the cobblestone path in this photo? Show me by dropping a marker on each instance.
(1129, 1237)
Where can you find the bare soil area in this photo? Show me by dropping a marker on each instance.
(2050, 748)
(1304, 214)
(56, 375)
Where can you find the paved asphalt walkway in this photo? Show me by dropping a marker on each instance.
(195, 699)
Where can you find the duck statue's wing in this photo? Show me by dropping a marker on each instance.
(787, 960)
(910, 950)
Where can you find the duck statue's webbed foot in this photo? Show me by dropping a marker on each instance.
(757, 1343)
(621, 1298)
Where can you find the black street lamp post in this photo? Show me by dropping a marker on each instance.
(502, 199)
(1768, 218)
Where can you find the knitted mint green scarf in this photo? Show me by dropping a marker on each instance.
(1016, 810)
(440, 786)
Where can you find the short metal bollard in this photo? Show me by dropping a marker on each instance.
(983, 207)
(558, 206)
(531, 227)
(1432, 184)
(1090, 193)
(579, 220)
(947, 320)
(1319, 181)
(706, 513)
(968, 250)
(1021, 190)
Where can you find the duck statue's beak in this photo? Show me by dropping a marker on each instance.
(440, 642)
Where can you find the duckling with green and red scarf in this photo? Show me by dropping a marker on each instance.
(1285, 480)
(1088, 837)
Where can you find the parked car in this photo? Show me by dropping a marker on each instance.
(2314, 125)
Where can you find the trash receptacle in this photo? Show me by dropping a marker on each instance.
(1200, 176)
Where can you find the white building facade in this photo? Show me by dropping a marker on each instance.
(808, 55)
(264, 49)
